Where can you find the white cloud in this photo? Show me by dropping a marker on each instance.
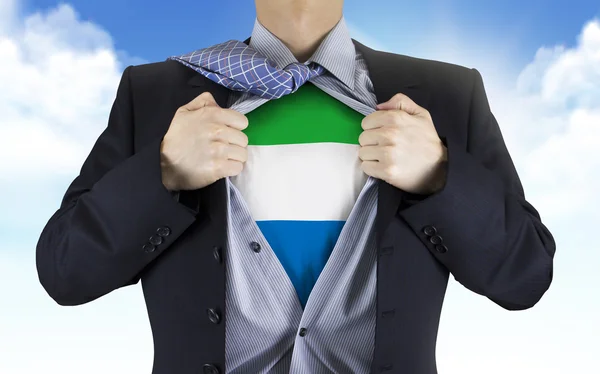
(58, 76)
(557, 99)
(575, 73)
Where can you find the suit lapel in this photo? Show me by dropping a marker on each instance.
(389, 73)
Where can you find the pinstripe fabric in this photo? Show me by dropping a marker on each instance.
(263, 311)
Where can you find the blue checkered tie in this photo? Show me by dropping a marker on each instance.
(238, 67)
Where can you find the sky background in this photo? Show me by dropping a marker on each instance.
(60, 64)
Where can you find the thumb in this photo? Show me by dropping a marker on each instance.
(401, 102)
(202, 100)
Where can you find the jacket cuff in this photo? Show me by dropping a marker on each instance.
(463, 223)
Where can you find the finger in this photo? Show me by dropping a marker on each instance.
(236, 153)
(230, 135)
(368, 137)
(370, 153)
(373, 169)
(385, 118)
(234, 118)
(374, 120)
(226, 116)
(200, 101)
(230, 168)
(381, 136)
(401, 102)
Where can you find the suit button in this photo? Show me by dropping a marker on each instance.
(441, 248)
(155, 240)
(148, 247)
(217, 254)
(302, 332)
(436, 239)
(255, 247)
(213, 315)
(163, 231)
(210, 369)
(429, 230)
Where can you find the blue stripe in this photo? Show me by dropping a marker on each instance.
(303, 248)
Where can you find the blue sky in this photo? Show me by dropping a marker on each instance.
(60, 64)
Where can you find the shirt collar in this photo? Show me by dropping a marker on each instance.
(336, 53)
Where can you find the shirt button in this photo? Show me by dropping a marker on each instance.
(217, 254)
(210, 369)
(302, 332)
(213, 316)
(255, 247)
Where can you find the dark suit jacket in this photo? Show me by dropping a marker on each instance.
(479, 227)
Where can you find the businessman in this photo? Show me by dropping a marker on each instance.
(296, 203)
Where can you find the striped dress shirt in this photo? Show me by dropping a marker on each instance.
(267, 329)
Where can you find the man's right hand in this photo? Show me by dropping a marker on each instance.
(204, 143)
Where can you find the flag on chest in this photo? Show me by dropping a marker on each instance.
(302, 178)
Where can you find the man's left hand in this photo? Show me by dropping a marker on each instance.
(400, 145)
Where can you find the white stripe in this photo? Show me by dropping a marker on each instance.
(313, 181)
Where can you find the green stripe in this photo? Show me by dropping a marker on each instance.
(309, 115)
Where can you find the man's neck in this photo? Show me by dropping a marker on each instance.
(299, 26)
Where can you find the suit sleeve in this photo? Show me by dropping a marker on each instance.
(99, 238)
(488, 236)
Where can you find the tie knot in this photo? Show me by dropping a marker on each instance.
(312, 68)
(301, 73)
